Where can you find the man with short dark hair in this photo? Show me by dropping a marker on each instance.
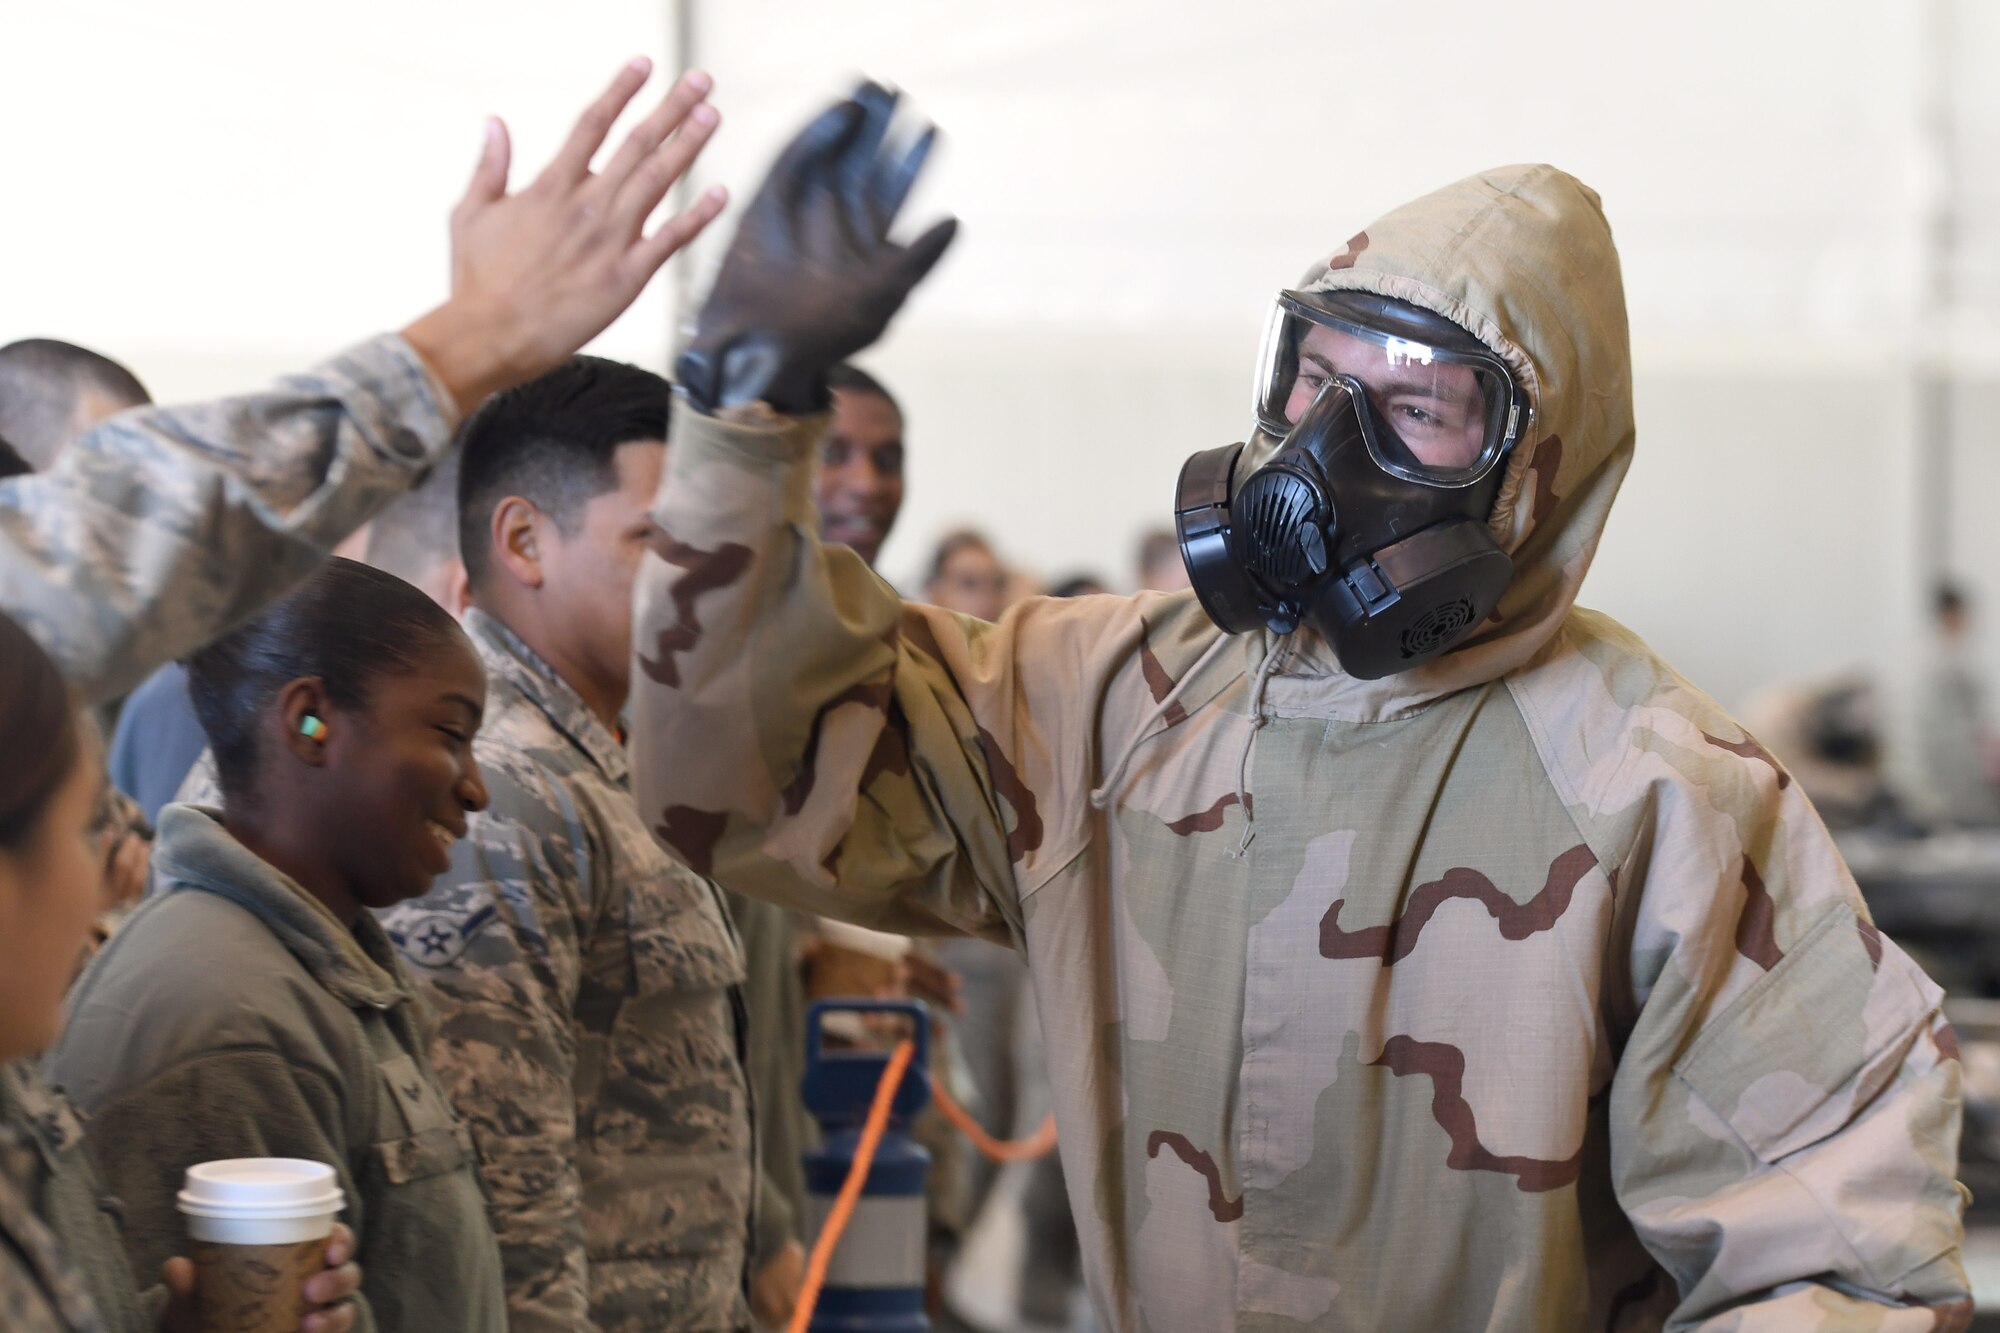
(585, 982)
(53, 391)
(858, 485)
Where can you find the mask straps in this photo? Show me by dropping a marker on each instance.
(1257, 720)
(1101, 797)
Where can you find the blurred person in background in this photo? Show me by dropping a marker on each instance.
(63, 1267)
(157, 740)
(253, 1006)
(1955, 739)
(51, 392)
(967, 577)
(1160, 566)
(1829, 736)
(858, 485)
(1079, 585)
(1414, 948)
(584, 981)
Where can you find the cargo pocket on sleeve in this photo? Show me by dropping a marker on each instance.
(1806, 1049)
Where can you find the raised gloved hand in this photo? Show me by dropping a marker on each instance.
(812, 276)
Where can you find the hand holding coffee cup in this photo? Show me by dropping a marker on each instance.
(266, 1254)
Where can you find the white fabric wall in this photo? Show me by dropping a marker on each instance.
(215, 191)
(219, 190)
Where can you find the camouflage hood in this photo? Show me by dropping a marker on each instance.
(1522, 257)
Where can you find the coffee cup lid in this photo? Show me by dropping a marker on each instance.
(253, 1188)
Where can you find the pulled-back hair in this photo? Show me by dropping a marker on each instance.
(37, 734)
(552, 441)
(349, 625)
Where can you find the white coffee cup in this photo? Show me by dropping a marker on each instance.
(260, 1201)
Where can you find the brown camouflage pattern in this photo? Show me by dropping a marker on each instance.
(1524, 992)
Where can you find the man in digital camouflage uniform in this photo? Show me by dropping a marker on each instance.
(162, 528)
(585, 982)
(1518, 990)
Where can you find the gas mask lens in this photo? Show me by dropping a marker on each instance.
(1439, 410)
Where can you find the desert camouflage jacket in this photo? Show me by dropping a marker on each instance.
(1522, 990)
(585, 985)
(165, 526)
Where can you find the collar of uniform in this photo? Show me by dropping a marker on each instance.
(513, 661)
(193, 852)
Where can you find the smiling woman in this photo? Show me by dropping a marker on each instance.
(251, 1007)
(342, 724)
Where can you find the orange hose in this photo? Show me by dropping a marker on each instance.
(1037, 1144)
(842, 1211)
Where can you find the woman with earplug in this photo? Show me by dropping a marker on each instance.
(252, 1007)
(62, 1268)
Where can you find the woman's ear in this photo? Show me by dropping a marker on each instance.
(306, 720)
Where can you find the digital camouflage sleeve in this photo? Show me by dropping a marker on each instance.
(165, 526)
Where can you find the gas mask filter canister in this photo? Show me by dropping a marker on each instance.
(1368, 523)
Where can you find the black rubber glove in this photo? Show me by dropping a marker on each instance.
(812, 276)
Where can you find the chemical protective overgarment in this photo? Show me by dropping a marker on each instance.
(1523, 990)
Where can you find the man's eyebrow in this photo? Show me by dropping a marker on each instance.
(1423, 386)
(1389, 381)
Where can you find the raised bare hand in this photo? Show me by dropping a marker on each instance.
(538, 273)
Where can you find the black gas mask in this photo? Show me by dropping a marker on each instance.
(1369, 522)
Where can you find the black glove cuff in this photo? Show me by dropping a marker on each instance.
(751, 370)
